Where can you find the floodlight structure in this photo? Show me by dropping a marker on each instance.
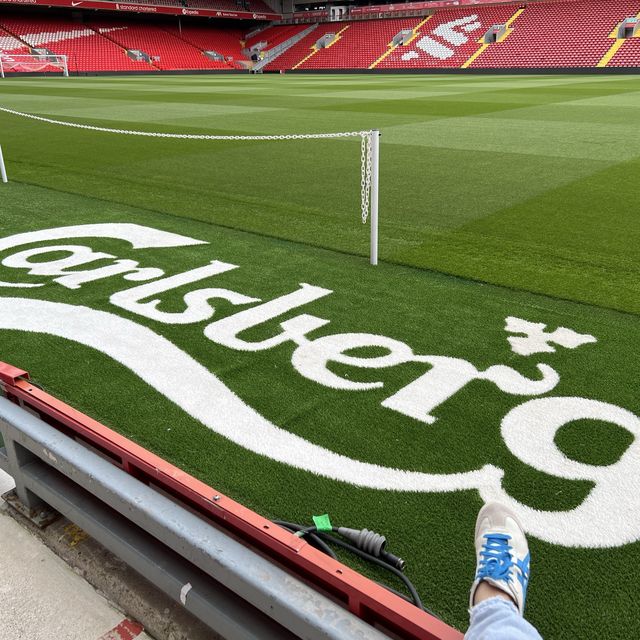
(33, 63)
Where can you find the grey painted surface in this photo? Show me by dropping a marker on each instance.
(40, 596)
(46, 454)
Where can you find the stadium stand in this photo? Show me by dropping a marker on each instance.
(167, 51)
(274, 36)
(628, 55)
(225, 41)
(13, 49)
(553, 34)
(85, 49)
(447, 39)
(359, 45)
(560, 34)
(304, 48)
(10, 44)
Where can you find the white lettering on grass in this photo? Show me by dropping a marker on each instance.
(450, 375)
(78, 255)
(128, 269)
(310, 359)
(206, 398)
(138, 236)
(225, 331)
(537, 340)
(198, 307)
(610, 515)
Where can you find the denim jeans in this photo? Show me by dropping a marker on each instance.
(498, 619)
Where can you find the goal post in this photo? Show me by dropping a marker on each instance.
(33, 63)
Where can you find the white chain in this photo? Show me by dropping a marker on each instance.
(365, 146)
(188, 136)
(365, 175)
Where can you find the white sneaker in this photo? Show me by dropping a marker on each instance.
(502, 553)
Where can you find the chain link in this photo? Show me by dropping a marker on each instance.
(365, 145)
(365, 175)
(188, 136)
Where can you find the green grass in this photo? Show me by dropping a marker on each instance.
(523, 181)
(500, 196)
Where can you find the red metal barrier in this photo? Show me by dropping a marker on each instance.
(361, 596)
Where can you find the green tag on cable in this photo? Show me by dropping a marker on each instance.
(322, 522)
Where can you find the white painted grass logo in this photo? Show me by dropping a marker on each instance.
(608, 516)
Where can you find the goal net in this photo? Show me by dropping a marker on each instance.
(33, 63)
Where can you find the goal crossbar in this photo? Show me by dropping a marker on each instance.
(369, 159)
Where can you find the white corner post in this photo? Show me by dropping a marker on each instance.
(375, 182)
(3, 170)
(1, 67)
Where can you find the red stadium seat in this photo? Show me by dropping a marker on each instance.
(560, 34)
(85, 49)
(360, 45)
(550, 35)
(167, 51)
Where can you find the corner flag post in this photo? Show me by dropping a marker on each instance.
(3, 170)
(375, 177)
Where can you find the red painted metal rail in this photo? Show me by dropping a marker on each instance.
(361, 596)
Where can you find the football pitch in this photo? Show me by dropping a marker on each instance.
(220, 309)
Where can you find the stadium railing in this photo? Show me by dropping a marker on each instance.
(239, 573)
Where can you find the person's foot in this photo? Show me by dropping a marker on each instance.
(502, 555)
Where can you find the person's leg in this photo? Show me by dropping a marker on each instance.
(497, 619)
(499, 590)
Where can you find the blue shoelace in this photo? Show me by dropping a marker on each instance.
(495, 558)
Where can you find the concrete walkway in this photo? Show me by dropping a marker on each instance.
(41, 598)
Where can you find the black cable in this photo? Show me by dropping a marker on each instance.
(366, 556)
(322, 541)
(313, 538)
(395, 592)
